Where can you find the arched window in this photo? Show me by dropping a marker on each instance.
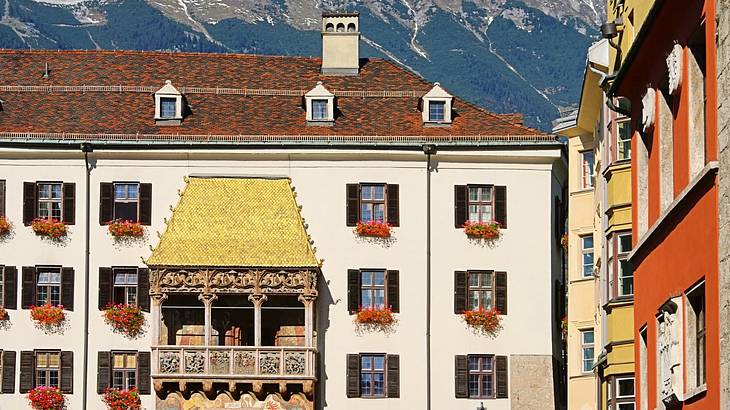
(351, 28)
(340, 28)
(330, 27)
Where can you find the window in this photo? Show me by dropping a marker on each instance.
(481, 377)
(319, 110)
(126, 201)
(372, 203)
(696, 337)
(48, 286)
(623, 140)
(621, 393)
(620, 271)
(587, 349)
(436, 110)
(587, 255)
(49, 200)
(480, 203)
(481, 286)
(372, 375)
(125, 286)
(587, 166)
(124, 371)
(372, 289)
(47, 369)
(168, 107)
(2, 197)
(2, 285)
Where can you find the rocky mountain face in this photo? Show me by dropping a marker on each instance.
(506, 55)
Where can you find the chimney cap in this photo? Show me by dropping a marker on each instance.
(340, 14)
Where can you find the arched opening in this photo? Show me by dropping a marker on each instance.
(340, 28)
(351, 28)
(329, 27)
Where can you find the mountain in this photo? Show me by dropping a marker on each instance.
(506, 55)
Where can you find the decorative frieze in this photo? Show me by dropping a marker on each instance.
(210, 281)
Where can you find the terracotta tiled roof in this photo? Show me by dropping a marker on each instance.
(243, 222)
(130, 109)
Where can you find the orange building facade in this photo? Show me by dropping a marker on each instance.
(669, 74)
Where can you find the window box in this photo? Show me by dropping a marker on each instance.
(564, 241)
(51, 228)
(483, 321)
(373, 229)
(47, 398)
(5, 226)
(125, 229)
(122, 399)
(482, 230)
(375, 318)
(125, 319)
(48, 315)
(3, 315)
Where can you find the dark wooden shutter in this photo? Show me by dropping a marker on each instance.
(500, 205)
(106, 203)
(393, 211)
(460, 281)
(67, 372)
(103, 371)
(27, 370)
(69, 203)
(10, 287)
(144, 375)
(461, 377)
(353, 204)
(500, 292)
(29, 202)
(353, 290)
(2, 198)
(67, 288)
(8, 382)
(28, 291)
(145, 204)
(500, 368)
(393, 377)
(460, 206)
(143, 289)
(393, 291)
(105, 287)
(353, 375)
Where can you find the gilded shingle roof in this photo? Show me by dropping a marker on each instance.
(235, 222)
(230, 94)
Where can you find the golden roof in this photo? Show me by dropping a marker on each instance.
(235, 222)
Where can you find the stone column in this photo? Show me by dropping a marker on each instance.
(207, 299)
(156, 313)
(258, 300)
(308, 301)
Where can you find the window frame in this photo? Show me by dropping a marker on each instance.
(616, 275)
(479, 203)
(614, 399)
(125, 286)
(585, 251)
(2, 295)
(587, 179)
(48, 286)
(166, 100)
(372, 288)
(481, 374)
(372, 371)
(584, 346)
(3, 199)
(480, 288)
(125, 370)
(48, 368)
(433, 103)
(125, 200)
(372, 202)
(315, 115)
(50, 201)
(696, 335)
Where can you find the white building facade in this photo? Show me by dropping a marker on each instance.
(367, 151)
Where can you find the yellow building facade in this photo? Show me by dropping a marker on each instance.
(600, 282)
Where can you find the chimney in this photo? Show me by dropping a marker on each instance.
(340, 43)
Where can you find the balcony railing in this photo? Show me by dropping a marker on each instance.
(233, 362)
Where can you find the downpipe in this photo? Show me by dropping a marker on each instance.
(429, 150)
(86, 148)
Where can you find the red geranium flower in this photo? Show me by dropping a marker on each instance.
(482, 230)
(373, 228)
(46, 398)
(125, 319)
(123, 228)
(485, 321)
(52, 228)
(48, 315)
(122, 399)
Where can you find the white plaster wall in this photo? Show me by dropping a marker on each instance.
(525, 252)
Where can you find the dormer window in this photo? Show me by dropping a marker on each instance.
(437, 106)
(168, 105)
(319, 103)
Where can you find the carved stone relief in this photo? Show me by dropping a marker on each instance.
(648, 102)
(674, 68)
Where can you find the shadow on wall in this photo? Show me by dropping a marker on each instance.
(324, 302)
